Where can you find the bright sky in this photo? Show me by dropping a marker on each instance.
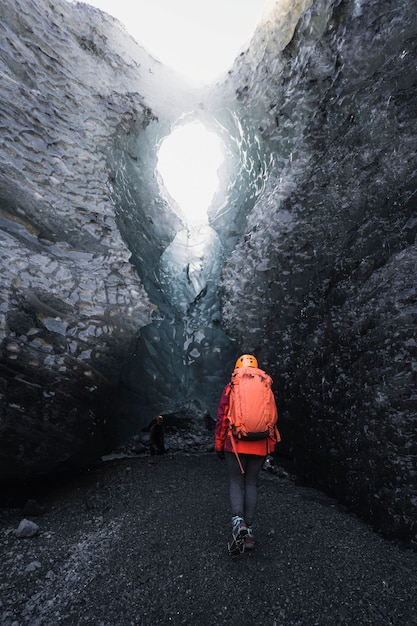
(198, 38)
(188, 161)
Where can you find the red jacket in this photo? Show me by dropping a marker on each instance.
(261, 447)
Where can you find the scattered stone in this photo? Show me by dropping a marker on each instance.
(32, 567)
(26, 529)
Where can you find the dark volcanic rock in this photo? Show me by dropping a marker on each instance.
(143, 542)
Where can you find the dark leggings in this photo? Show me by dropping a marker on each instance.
(243, 488)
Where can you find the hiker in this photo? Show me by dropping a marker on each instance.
(245, 452)
(156, 436)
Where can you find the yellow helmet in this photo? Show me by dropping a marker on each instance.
(246, 360)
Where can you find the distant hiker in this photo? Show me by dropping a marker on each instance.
(157, 437)
(245, 434)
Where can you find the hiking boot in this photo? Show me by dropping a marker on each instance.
(234, 548)
(239, 528)
(239, 532)
(249, 541)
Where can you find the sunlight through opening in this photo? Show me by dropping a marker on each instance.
(188, 163)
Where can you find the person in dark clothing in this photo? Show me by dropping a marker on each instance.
(157, 437)
(243, 475)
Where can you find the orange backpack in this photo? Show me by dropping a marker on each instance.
(252, 410)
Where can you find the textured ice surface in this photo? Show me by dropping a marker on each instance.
(111, 310)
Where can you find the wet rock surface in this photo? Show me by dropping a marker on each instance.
(143, 541)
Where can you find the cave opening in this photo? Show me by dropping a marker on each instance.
(188, 163)
(184, 354)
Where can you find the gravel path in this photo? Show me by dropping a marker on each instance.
(143, 542)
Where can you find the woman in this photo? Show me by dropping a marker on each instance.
(245, 458)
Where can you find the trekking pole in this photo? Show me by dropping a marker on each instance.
(236, 454)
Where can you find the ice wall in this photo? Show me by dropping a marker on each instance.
(71, 301)
(184, 355)
(99, 331)
(111, 309)
(328, 293)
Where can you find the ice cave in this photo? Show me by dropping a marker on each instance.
(122, 297)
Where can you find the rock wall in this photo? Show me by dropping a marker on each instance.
(330, 301)
(71, 301)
